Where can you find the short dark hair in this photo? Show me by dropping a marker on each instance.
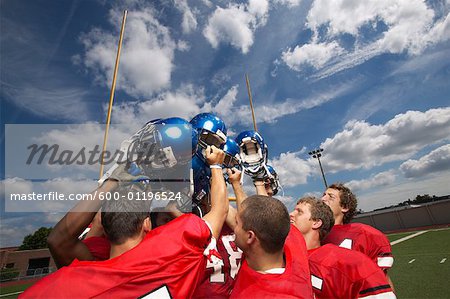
(320, 211)
(123, 219)
(347, 200)
(268, 218)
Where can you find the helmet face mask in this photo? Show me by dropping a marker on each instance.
(273, 181)
(232, 154)
(206, 138)
(230, 161)
(253, 152)
(211, 131)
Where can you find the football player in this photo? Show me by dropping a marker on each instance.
(159, 145)
(167, 261)
(217, 280)
(355, 236)
(336, 272)
(275, 260)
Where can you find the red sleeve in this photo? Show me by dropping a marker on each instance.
(379, 249)
(374, 285)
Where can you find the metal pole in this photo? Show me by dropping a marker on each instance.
(317, 154)
(323, 174)
(111, 96)
(251, 102)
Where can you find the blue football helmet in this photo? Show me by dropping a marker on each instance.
(232, 154)
(273, 180)
(211, 130)
(253, 152)
(162, 143)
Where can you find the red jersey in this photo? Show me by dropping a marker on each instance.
(363, 238)
(341, 273)
(168, 262)
(293, 283)
(99, 247)
(218, 280)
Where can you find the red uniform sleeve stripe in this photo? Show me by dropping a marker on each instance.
(377, 288)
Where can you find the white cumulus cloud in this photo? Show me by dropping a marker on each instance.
(377, 26)
(291, 169)
(189, 22)
(314, 54)
(236, 24)
(380, 179)
(435, 161)
(362, 145)
(146, 61)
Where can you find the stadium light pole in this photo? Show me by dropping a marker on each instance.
(317, 153)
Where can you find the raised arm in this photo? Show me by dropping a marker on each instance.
(260, 187)
(219, 199)
(63, 241)
(234, 177)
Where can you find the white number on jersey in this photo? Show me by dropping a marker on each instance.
(160, 293)
(347, 243)
(233, 257)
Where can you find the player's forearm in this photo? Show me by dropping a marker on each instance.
(231, 217)
(219, 202)
(63, 239)
(239, 193)
(79, 217)
(260, 188)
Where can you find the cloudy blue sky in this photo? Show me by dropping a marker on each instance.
(368, 81)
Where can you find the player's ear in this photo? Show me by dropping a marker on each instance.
(251, 237)
(317, 224)
(344, 210)
(147, 225)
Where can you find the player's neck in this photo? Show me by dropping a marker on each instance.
(117, 250)
(312, 240)
(261, 261)
(339, 219)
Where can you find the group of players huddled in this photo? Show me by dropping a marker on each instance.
(200, 246)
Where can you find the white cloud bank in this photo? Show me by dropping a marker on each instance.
(146, 61)
(408, 27)
(236, 24)
(362, 145)
(435, 161)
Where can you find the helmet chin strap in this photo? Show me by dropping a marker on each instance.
(200, 212)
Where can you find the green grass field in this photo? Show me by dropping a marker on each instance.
(425, 277)
(396, 236)
(13, 289)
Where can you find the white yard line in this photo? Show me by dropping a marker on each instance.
(408, 237)
(411, 261)
(443, 261)
(10, 294)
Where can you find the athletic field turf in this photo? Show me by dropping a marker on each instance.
(421, 267)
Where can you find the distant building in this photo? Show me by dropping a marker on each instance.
(28, 263)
